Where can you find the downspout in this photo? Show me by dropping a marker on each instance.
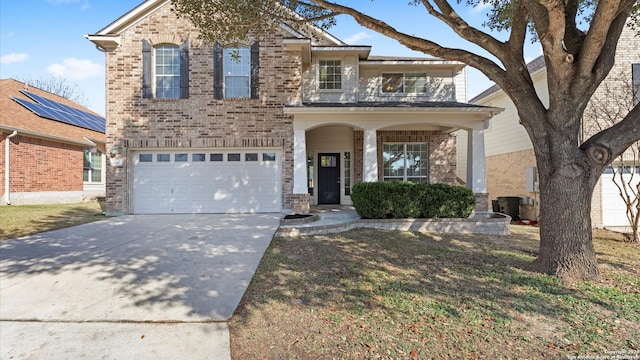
(7, 193)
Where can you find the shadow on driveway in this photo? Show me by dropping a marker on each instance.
(182, 268)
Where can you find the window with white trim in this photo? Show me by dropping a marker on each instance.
(167, 71)
(92, 169)
(405, 162)
(404, 83)
(330, 75)
(237, 73)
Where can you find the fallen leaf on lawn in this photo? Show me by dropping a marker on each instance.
(414, 353)
(598, 330)
(142, 337)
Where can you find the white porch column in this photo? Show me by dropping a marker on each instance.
(299, 162)
(370, 154)
(476, 168)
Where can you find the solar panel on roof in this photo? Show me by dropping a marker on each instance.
(54, 110)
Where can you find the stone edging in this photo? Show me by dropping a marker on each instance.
(488, 226)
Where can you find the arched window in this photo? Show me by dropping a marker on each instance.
(165, 70)
(236, 71)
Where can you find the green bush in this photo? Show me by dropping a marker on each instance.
(379, 200)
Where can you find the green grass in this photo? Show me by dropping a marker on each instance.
(22, 220)
(384, 294)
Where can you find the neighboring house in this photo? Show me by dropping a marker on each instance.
(509, 152)
(51, 148)
(278, 124)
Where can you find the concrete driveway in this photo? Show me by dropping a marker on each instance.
(141, 286)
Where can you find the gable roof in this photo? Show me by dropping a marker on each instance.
(533, 66)
(17, 117)
(108, 37)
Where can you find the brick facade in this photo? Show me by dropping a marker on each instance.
(199, 121)
(39, 165)
(442, 152)
(506, 177)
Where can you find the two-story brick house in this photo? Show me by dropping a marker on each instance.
(280, 123)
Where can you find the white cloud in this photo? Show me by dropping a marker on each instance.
(13, 58)
(481, 7)
(357, 37)
(75, 69)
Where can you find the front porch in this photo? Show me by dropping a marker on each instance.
(337, 146)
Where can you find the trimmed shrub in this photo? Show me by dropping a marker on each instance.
(379, 200)
(371, 199)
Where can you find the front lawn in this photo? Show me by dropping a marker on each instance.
(370, 294)
(22, 220)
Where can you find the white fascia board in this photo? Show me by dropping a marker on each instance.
(362, 51)
(104, 42)
(133, 16)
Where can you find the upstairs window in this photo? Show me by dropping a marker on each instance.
(236, 72)
(330, 76)
(165, 71)
(404, 83)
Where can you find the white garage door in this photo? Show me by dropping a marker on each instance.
(613, 207)
(230, 181)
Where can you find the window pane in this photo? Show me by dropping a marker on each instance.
(181, 157)
(146, 158)
(96, 175)
(215, 157)
(198, 157)
(251, 157)
(330, 74)
(167, 67)
(237, 87)
(393, 160)
(328, 161)
(268, 156)
(163, 158)
(415, 83)
(85, 175)
(392, 83)
(237, 72)
(233, 157)
(347, 173)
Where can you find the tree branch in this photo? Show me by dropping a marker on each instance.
(449, 16)
(574, 37)
(591, 50)
(486, 66)
(610, 143)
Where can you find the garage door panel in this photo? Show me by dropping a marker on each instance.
(613, 206)
(207, 187)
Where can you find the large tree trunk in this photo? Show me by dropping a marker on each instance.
(566, 247)
(567, 180)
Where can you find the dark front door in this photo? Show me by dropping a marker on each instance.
(328, 178)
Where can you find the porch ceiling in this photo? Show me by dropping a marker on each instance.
(444, 116)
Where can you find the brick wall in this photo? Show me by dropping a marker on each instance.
(442, 152)
(42, 165)
(506, 177)
(200, 121)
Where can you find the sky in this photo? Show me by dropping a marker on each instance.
(40, 39)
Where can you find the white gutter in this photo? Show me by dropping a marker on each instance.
(7, 193)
